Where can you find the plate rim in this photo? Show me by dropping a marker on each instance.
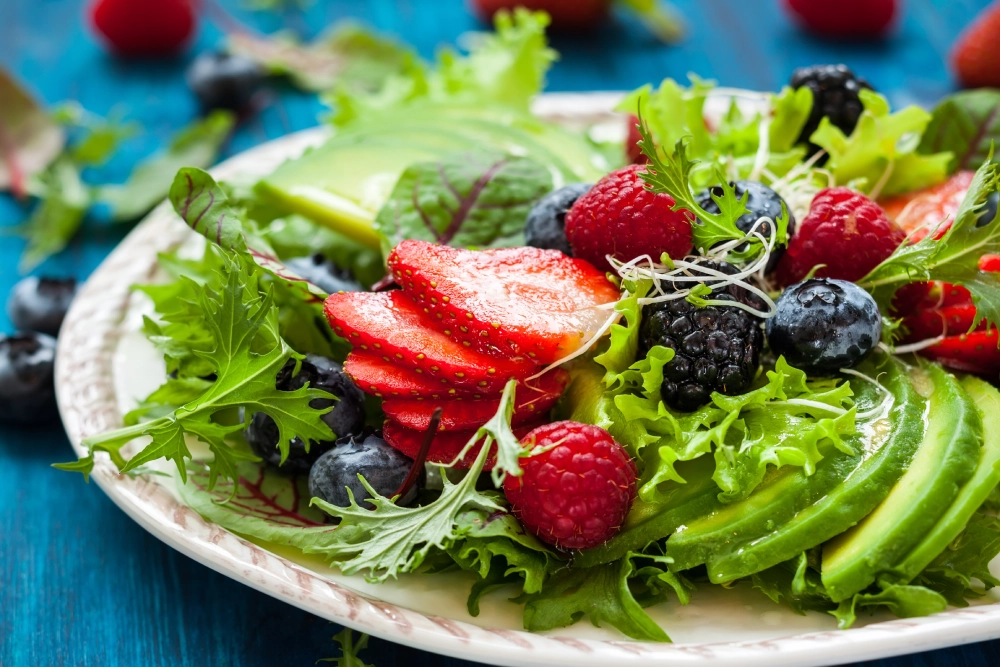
(87, 402)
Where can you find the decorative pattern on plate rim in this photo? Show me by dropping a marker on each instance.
(87, 403)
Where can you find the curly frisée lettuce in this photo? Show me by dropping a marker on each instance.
(753, 140)
(880, 157)
(787, 419)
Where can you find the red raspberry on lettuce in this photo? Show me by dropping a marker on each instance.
(576, 493)
(844, 231)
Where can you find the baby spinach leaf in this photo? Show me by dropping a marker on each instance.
(29, 139)
(469, 199)
(966, 124)
(197, 145)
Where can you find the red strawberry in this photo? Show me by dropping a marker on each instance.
(632, 150)
(917, 213)
(619, 217)
(844, 18)
(381, 378)
(445, 447)
(505, 302)
(975, 57)
(577, 492)
(846, 232)
(931, 323)
(146, 28)
(391, 325)
(532, 401)
(971, 353)
(565, 14)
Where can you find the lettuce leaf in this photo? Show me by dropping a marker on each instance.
(966, 559)
(601, 593)
(786, 419)
(505, 68)
(673, 112)
(881, 154)
(966, 124)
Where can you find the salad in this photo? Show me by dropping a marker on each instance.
(751, 349)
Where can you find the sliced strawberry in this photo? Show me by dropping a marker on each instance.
(381, 378)
(931, 208)
(533, 399)
(972, 353)
(389, 324)
(951, 320)
(507, 301)
(446, 446)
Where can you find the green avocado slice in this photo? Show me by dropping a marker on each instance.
(343, 183)
(797, 512)
(972, 495)
(944, 462)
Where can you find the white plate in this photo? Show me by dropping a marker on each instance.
(104, 365)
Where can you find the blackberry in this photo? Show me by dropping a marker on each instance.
(346, 418)
(835, 91)
(324, 274)
(546, 226)
(763, 202)
(716, 348)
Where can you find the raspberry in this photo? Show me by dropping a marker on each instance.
(619, 217)
(846, 18)
(565, 14)
(845, 231)
(149, 28)
(577, 492)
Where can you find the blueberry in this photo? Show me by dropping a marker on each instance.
(40, 304)
(224, 81)
(546, 226)
(27, 393)
(989, 212)
(824, 324)
(383, 468)
(347, 417)
(324, 274)
(763, 202)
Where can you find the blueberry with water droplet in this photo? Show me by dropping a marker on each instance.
(384, 468)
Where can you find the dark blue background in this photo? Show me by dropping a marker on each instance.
(80, 583)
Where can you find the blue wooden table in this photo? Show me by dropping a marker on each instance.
(80, 584)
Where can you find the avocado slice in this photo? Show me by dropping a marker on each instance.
(943, 463)
(972, 495)
(343, 183)
(796, 512)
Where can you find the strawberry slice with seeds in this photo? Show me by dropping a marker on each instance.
(975, 352)
(534, 398)
(506, 301)
(950, 320)
(445, 446)
(392, 326)
(377, 377)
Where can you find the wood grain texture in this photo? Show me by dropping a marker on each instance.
(81, 584)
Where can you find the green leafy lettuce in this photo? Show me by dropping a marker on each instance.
(505, 68)
(881, 153)
(349, 649)
(966, 124)
(477, 198)
(786, 419)
(673, 112)
(952, 258)
(246, 354)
